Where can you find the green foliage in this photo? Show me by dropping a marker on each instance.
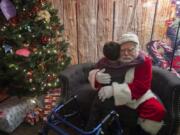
(37, 52)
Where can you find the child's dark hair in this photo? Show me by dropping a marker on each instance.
(111, 50)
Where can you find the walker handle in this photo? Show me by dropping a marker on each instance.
(70, 100)
(66, 103)
(111, 114)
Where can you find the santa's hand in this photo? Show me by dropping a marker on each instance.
(103, 78)
(105, 93)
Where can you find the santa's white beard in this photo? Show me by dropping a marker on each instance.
(126, 59)
(129, 58)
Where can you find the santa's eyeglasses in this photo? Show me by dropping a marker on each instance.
(129, 50)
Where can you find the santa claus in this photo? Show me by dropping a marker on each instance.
(134, 89)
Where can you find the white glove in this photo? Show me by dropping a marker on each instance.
(103, 78)
(105, 93)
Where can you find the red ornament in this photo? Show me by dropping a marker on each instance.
(14, 21)
(35, 9)
(50, 78)
(23, 52)
(29, 74)
(45, 39)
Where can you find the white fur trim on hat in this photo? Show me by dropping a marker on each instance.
(92, 77)
(129, 37)
(150, 126)
(122, 93)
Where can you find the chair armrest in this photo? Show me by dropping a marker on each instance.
(72, 77)
(167, 86)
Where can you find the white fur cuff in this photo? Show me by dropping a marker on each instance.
(150, 126)
(122, 93)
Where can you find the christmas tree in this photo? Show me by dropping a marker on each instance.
(33, 50)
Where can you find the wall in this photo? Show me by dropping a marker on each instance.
(90, 23)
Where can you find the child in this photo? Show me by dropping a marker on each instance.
(109, 62)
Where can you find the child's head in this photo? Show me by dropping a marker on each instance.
(111, 50)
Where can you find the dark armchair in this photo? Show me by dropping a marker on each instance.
(166, 85)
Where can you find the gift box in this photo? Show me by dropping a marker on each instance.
(13, 111)
(50, 100)
(34, 116)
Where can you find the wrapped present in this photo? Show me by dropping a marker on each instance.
(13, 111)
(2, 114)
(39, 111)
(34, 116)
(54, 92)
(47, 99)
(50, 100)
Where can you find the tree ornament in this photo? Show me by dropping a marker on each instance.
(45, 39)
(29, 74)
(23, 52)
(14, 21)
(8, 9)
(35, 9)
(7, 48)
(50, 78)
(43, 15)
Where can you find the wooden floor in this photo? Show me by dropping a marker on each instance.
(26, 129)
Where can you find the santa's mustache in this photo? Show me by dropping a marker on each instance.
(126, 59)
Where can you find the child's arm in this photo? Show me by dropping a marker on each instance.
(97, 77)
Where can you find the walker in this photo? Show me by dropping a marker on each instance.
(61, 117)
